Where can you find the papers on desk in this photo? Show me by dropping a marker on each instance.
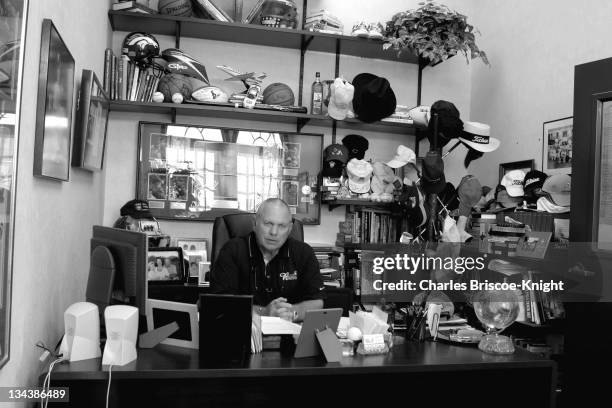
(276, 326)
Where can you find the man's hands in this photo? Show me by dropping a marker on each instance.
(281, 308)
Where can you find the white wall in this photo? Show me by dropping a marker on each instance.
(450, 81)
(533, 47)
(53, 219)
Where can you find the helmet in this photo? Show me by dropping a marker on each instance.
(139, 46)
(135, 216)
(181, 63)
(279, 13)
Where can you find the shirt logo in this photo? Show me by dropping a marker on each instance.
(286, 276)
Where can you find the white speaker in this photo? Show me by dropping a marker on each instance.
(121, 333)
(82, 332)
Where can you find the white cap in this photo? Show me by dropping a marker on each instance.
(359, 173)
(403, 156)
(340, 98)
(513, 181)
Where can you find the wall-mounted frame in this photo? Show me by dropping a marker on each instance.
(92, 109)
(557, 138)
(197, 173)
(525, 165)
(54, 106)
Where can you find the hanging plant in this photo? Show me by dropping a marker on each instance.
(434, 32)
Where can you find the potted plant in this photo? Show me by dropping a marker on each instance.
(434, 32)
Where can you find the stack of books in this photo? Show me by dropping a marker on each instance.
(126, 81)
(400, 115)
(136, 6)
(323, 22)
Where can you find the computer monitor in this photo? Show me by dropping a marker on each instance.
(129, 251)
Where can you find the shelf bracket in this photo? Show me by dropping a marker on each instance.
(177, 36)
(173, 115)
(337, 66)
(303, 48)
(306, 40)
(301, 122)
(334, 127)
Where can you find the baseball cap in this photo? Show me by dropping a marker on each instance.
(559, 187)
(449, 197)
(534, 179)
(136, 209)
(359, 173)
(412, 201)
(403, 156)
(450, 126)
(340, 96)
(374, 99)
(505, 199)
(433, 173)
(469, 191)
(356, 145)
(335, 157)
(513, 181)
(478, 136)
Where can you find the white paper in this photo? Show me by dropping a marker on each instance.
(276, 326)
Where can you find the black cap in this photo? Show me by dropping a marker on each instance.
(136, 209)
(433, 173)
(450, 125)
(356, 145)
(373, 98)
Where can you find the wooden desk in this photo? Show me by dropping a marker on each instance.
(427, 372)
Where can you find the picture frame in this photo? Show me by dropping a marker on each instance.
(92, 111)
(525, 165)
(557, 138)
(165, 266)
(195, 250)
(204, 274)
(54, 106)
(162, 312)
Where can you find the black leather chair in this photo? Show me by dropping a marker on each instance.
(238, 225)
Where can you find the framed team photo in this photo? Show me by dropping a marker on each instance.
(289, 192)
(291, 155)
(557, 146)
(157, 186)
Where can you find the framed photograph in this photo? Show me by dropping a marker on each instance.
(557, 146)
(204, 274)
(54, 106)
(291, 155)
(92, 109)
(289, 192)
(157, 186)
(525, 165)
(165, 265)
(195, 250)
(163, 312)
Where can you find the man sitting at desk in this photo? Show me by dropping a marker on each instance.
(280, 272)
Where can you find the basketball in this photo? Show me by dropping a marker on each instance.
(278, 94)
(170, 84)
(175, 7)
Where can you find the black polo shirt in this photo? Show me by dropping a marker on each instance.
(293, 273)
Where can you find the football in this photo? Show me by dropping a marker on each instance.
(210, 94)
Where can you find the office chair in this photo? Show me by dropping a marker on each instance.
(238, 225)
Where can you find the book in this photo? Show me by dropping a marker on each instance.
(108, 58)
(124, 68)
(255, 11)
(113, 80)
(134, 84)
(134, 6)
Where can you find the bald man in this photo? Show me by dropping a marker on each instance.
(281, 273)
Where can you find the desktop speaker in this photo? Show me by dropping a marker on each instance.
(81, 340)
(121, 333)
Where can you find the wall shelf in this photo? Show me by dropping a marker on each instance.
(254, 34)
(227, 112)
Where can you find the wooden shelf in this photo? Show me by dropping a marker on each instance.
(254, 34)
(273, 116)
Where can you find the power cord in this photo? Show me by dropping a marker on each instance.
(44, 401)
(110, 374)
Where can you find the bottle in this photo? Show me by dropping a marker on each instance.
(316, 105)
